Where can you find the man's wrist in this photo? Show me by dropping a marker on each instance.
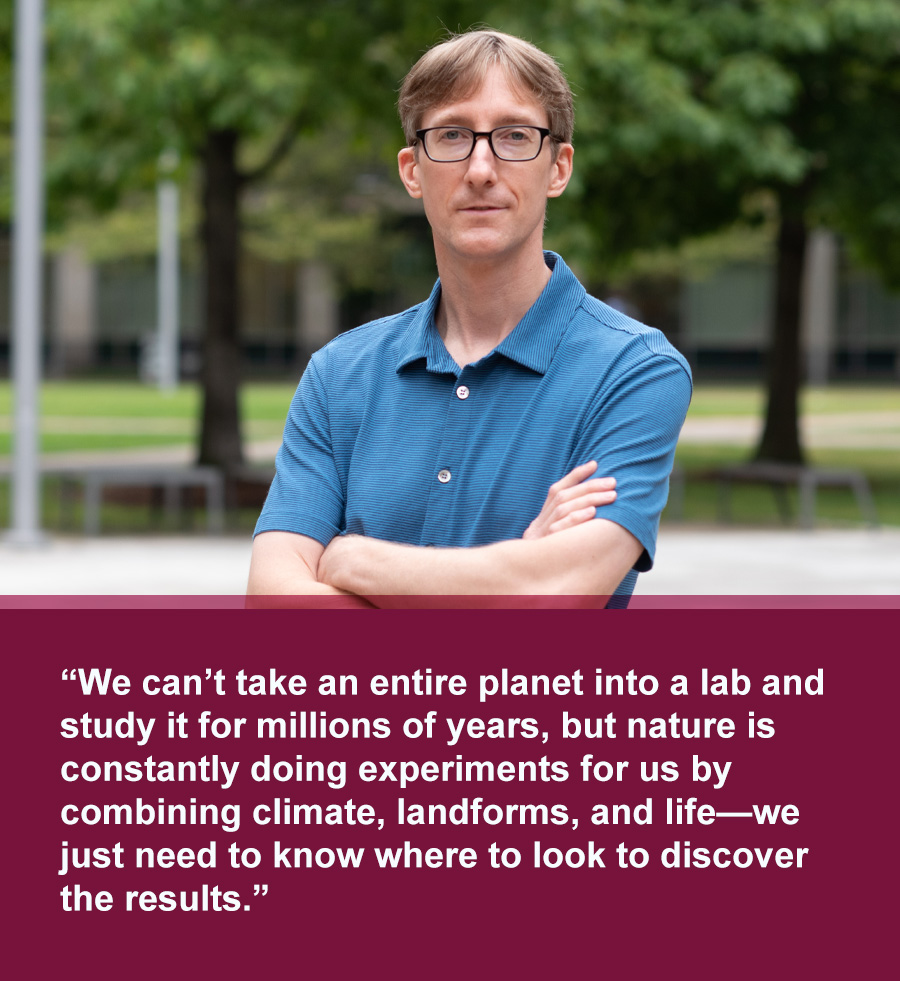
(344, 562)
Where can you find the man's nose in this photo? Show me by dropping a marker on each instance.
(482, 160)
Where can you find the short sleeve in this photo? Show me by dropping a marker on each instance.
(306, 496)
(631, 433)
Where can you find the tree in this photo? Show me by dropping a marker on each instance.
(845, 62)
(228, 85)
(225, 85)
(695, 114)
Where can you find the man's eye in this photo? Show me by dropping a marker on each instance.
(515, 135)
(451, 135)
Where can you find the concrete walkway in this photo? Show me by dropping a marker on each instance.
(774, 562)
(690, 561)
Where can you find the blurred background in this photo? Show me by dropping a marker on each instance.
(221, 198)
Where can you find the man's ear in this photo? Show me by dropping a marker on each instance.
(561, 171)
(409, 171)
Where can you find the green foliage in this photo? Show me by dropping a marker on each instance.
(687, 109)
(317, 77)
(163, 73)
(166, 72)
(127, 232)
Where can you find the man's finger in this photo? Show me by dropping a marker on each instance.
(575, 476)
(586, 487)
(573, 520)
(597, 499)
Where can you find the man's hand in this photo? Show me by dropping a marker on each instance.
(572, 500)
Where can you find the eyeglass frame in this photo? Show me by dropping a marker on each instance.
(488, 135)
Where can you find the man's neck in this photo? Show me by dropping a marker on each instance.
(482, 301)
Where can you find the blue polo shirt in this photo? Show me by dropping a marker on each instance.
(388, 437)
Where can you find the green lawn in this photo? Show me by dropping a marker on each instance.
(131, 399)
(121, 415)
(749, 400)
(111, 416)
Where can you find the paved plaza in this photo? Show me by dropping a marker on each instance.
(690, 561)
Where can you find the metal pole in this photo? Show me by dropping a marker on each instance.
(167, 276)
(27, 272)
(818, 309)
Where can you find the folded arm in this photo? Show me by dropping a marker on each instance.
(562, 552)
(587, 559)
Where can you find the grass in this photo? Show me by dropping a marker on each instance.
(109, 416)
(83, 416)
(749, 400)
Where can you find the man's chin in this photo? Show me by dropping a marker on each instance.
(482, 247)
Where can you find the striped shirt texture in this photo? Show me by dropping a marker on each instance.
(388, 437)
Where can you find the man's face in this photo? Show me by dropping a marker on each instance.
(484, 208)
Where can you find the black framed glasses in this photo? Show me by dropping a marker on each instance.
(450, 144)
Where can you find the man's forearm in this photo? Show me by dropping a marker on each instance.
(589, 560)
(283, 564)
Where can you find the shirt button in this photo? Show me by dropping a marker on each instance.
(462, 392)
(444, 476)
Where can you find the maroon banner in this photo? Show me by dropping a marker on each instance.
(720, 601)
(438, 793)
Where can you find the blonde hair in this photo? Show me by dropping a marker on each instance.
(455, 68)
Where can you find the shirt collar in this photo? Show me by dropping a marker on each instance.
(421, 339)
(532, 342)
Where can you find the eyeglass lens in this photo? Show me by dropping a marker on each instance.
(508, 142)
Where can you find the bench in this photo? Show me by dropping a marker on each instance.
(780, 476)
(170, 479)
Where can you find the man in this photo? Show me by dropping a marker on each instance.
(419, 449)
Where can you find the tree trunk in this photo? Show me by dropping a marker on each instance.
(781, 434)
(220, 434)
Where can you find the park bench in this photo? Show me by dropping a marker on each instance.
(807, 480)
(171, 480)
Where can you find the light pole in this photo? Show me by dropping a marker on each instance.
(167, 334)
(28, 227)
